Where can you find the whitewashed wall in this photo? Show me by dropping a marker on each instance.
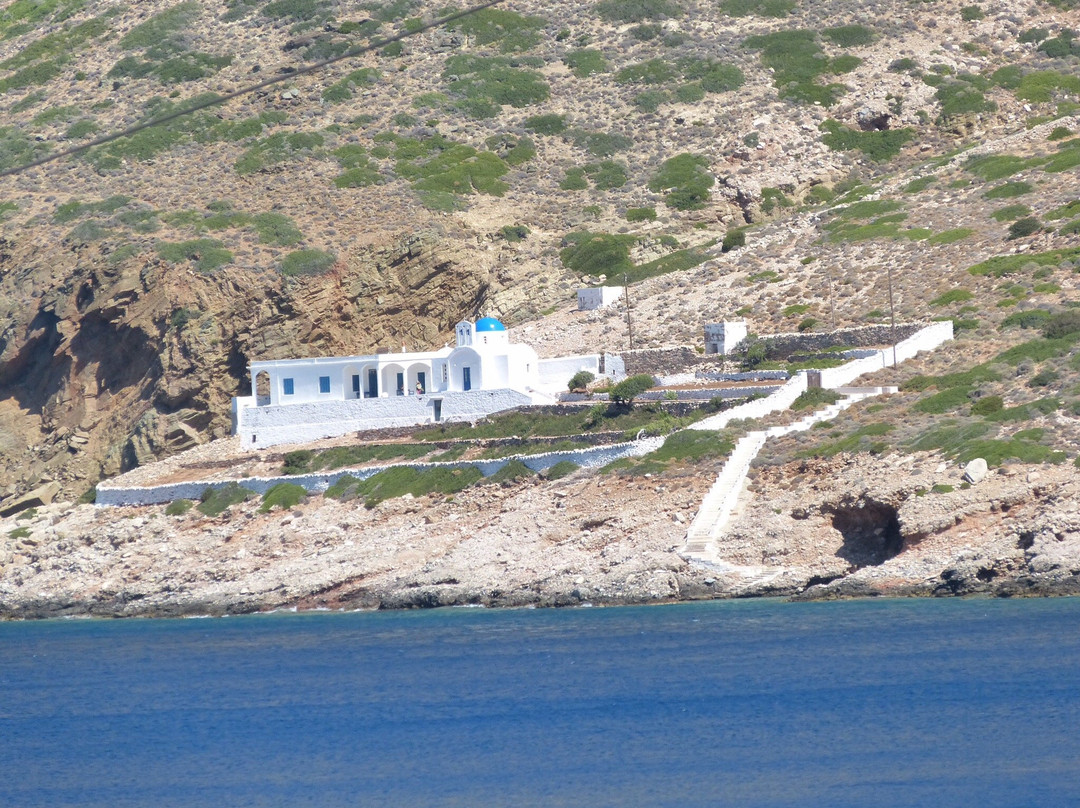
(597, 297)
(555, 373)
(301, 423)
(926, 339)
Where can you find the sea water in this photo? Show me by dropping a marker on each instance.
(867, 703)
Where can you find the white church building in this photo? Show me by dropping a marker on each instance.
(299, 400)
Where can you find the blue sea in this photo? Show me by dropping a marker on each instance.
(746, 703)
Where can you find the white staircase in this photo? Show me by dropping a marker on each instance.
(719, 503)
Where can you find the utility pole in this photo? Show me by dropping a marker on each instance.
(892, 317)
(626, 294)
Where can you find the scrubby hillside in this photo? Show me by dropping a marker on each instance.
(489, 166)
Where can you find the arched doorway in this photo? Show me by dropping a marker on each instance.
(262, 389)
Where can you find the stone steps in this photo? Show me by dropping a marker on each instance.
(720, 502)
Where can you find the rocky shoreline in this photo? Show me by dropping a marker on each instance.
(851, 526)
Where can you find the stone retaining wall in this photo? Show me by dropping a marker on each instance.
(782, 346)
(317, 483)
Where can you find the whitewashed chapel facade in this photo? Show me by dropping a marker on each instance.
(298, 400)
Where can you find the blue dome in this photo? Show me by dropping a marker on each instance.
(489, 324)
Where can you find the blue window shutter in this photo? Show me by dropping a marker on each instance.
(324, 384)
(287, 387)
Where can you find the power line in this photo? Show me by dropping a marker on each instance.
(221, 99)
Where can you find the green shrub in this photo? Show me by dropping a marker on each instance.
(630, 388)
(637, 10)
(733, 239)
(996, 166)
(551, 124)
(599, 144)
(482, 84)
(1034, 35)
(686, 179)
(514, 233)
(360, 170)
(277, 229)
(278, 148)
(510, 31)
(401, 480)
(1031, 318)
(1024, 227)
(759, 8)
(1061, 325)
(987, 405)
(297, 462)
(971, 13)
(1040, 350)
(208, 254)
(951, 236)
(583, 63)
(161, 27)
(773, 198)
(580, 380)
(1009, 190)
(307, 262)
(919, 184)
(944, 401)
(807, 324)
(650, 100)
(654, 71)
(606, 175)
(512, 472)
(849, 36)
(574, 180)
(641, 214)
(214, 501)
(1065, 211)
(297, 10)
(1002, 265)
(597, 253)
(692, 445)
(878, 146)
(1060, 46)
(678, 261)
(797, 61)
(561, 469)
(284, 496)
(344, 488)
(814, 397)
(1010, 213)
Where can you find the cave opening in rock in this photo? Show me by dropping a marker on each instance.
(871, 533)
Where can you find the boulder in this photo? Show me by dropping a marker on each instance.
(42, 495)
(975, 471)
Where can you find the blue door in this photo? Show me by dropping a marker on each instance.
(466, 379)
(401, 384)
(356, 385)
(372, 383)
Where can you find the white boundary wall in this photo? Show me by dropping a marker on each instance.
(270, 425)
(554, 374)
(926, 339)
(316, 483)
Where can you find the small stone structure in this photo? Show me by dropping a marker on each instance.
(598, 297)
(723, 338)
